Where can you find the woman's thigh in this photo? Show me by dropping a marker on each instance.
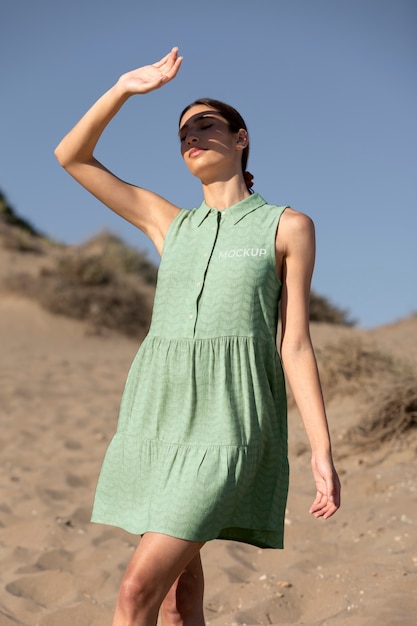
(160, 559)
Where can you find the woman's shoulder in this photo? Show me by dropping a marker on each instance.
(295, 221)
(296, 229)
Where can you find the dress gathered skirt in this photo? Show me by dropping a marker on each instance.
(200, 450)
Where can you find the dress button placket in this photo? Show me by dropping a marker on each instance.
(206, 256)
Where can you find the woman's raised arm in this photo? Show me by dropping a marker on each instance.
(145, 209)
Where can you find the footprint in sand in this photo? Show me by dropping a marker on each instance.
(45, 588)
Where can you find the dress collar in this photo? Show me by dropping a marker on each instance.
(237, 211)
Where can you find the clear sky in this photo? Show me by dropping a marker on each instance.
(328, 89)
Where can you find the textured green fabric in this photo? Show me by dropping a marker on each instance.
(200, 450)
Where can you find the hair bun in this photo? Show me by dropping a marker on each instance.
(248, 179)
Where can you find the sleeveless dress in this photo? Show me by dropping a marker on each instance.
(200, 450)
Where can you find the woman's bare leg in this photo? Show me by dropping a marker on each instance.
(183, 605)
(155, 566)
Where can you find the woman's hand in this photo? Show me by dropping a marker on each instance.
(327, 499)
(151, 77)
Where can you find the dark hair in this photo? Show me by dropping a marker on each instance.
(235, 122)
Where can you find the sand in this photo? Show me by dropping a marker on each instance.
(60, 388)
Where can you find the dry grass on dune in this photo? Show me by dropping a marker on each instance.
(386, 389)
(104, 282)
(118, 257)
(391, 415)
(350, 365)
(324, 311)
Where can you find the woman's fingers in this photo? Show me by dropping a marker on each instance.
(327, 499)
(171, 66)
(171, 55)
(324, 506)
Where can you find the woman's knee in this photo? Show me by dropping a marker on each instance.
(138, 591)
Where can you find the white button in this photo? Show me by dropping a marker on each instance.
(191, 316)
(205, 255)
(198, 284)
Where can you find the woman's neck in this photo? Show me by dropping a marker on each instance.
(222, 194)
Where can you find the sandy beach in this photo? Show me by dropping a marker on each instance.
(60, 387)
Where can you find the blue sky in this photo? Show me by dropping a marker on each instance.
(328, 89)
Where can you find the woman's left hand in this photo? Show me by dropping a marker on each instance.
(327, 481)
(150, 77)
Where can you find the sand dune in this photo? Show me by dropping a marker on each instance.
(60, 388)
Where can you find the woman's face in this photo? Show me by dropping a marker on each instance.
(208, 146)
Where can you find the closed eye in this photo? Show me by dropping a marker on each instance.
(202, 127)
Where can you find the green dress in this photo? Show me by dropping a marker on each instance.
(200, 450)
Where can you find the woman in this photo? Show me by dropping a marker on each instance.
(201, 446)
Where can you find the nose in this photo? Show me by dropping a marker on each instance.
(191, 138)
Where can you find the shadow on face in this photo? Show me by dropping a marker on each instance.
(206, 129)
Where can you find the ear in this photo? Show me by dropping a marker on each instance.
(242, 139)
